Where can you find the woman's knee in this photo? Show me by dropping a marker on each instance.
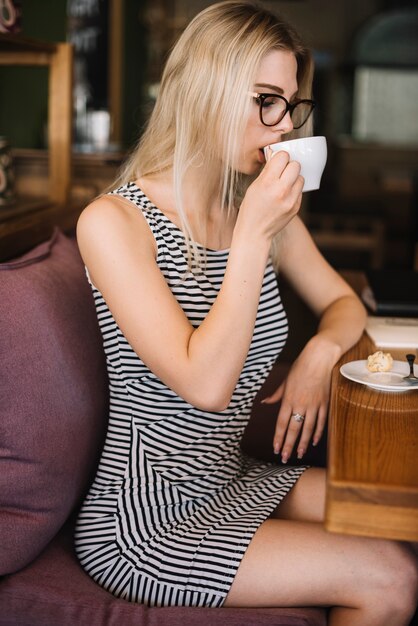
(394, 581)
(406, 575)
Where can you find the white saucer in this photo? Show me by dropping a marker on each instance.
(387, 381)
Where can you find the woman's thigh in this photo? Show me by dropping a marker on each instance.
(293, 563)
(305, 502)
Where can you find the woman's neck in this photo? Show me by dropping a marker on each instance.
(201, 202)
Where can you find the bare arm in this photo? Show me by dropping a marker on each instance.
(341, 322)
(201, 365)
(342, 315)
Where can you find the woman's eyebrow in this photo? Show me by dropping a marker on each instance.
(273, 88)
(268, 86)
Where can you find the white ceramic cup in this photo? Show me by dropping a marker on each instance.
(310, 152)
(99, 130)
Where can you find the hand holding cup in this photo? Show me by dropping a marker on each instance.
(309, 152)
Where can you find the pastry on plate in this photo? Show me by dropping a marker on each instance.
(379, 362)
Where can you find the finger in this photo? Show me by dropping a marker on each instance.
(295, 194)
(276, 165)
(294, 429)
(300, 181)
(307, 430)
(320, 424)
(281, 427)
(276, 396)
(290, 174)
(268, 153)
(279, 166)
(284, 178)
(293, 183)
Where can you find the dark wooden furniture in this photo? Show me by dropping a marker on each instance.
(25, 222)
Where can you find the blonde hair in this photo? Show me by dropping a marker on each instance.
(202, 106)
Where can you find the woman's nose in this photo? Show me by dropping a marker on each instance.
(285, 125)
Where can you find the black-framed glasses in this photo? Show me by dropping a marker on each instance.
(273, 108)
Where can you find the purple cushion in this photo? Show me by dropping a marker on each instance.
(55, 590)
(53, 391)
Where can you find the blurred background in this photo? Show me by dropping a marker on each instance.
(366, 87)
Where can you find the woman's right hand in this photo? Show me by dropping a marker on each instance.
(273, 199)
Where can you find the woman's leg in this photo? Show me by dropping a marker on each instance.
(306, 501)
(368, 582)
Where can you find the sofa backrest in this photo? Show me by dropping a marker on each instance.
(53, 396)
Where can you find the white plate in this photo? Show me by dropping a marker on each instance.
(388, 381)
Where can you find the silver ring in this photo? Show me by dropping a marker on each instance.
(298, 417)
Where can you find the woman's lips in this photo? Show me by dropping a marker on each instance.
(261, 155)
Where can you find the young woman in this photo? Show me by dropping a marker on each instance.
(180, 257)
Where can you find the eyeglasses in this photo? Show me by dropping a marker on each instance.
(273, 108)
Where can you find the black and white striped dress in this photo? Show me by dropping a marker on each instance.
(175, 503)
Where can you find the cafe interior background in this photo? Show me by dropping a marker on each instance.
(366, 86)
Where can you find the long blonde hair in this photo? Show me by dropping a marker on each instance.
(203, 103)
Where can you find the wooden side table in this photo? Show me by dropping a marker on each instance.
(372, 483)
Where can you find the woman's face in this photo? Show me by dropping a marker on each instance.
(276, 75)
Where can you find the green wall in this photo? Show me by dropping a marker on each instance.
(24, 90)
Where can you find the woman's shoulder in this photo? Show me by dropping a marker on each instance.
(106, 210)
(112, 217)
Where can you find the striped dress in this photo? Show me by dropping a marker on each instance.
(175, 502)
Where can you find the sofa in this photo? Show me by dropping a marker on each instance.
(53, 408)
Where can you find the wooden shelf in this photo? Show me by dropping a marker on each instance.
(16, 43)
(58, 57)
(92, 173)
(21, 207)
(30, 219)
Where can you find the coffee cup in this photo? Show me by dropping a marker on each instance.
(310, 152)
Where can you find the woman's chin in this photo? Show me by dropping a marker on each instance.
(251, 169)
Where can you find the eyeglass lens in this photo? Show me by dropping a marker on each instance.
(273, 109)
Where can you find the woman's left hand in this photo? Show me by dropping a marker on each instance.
(304, 396)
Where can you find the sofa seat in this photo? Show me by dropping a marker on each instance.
(55, 591)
